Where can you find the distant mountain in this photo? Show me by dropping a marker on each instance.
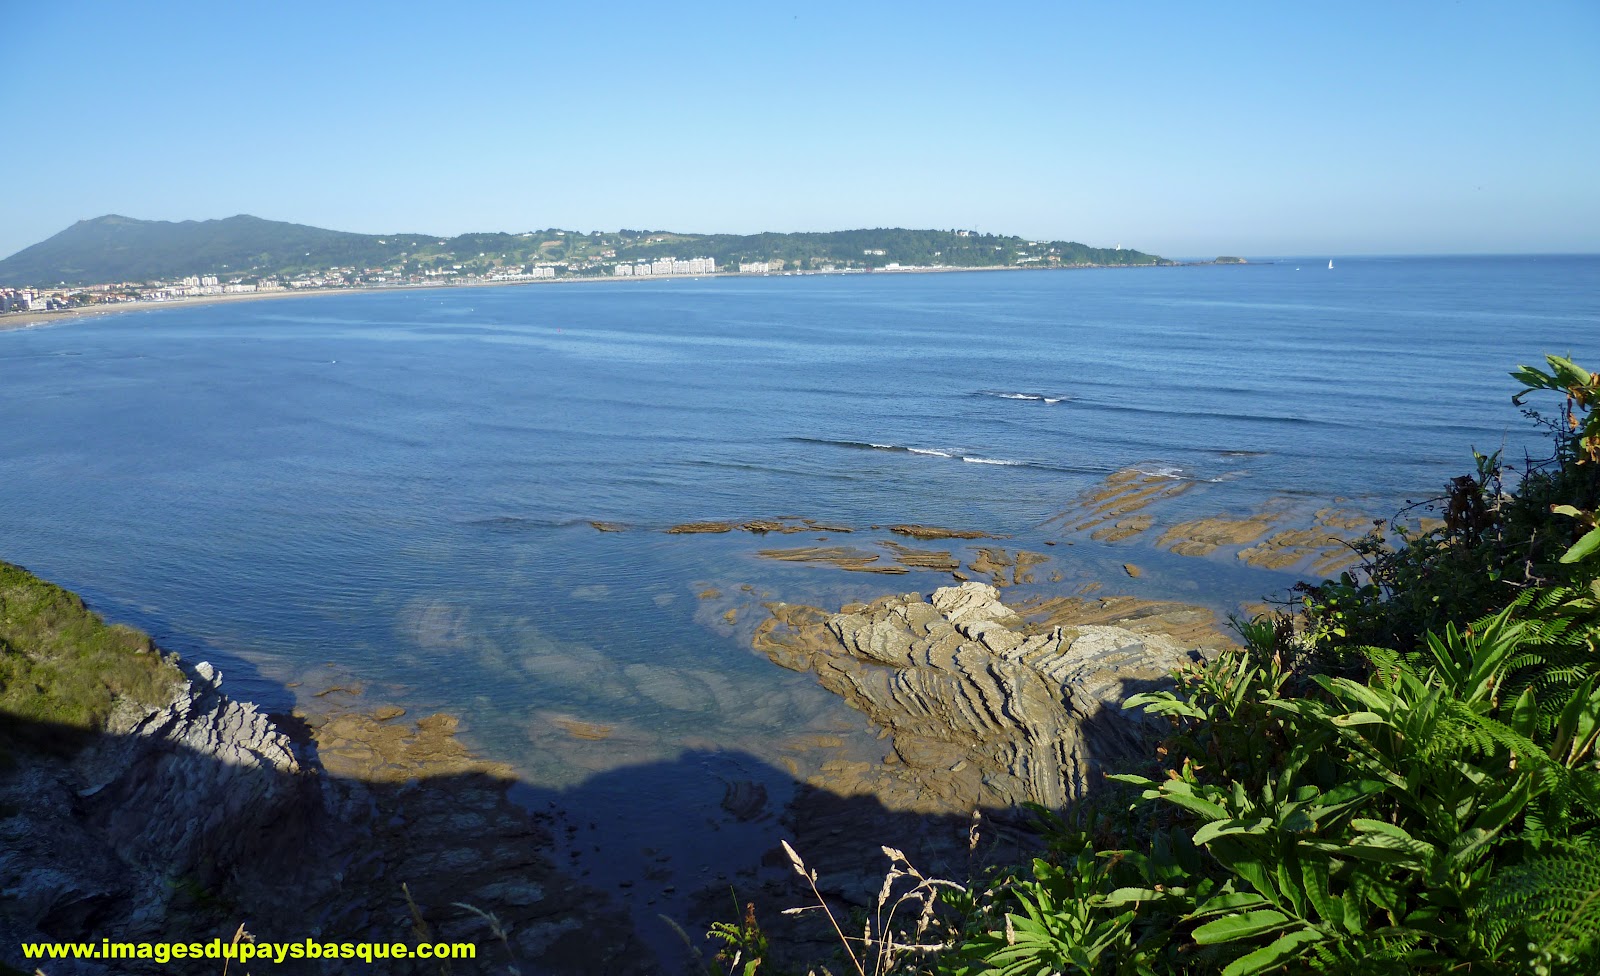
(114, 248)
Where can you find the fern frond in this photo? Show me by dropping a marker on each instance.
(1552, 902)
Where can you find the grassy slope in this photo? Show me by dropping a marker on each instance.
(61, 664)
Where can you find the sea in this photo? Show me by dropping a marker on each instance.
(388, 497)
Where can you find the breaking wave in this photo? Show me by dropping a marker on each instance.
(1098, 469)
(1177, 472)
(1040, 397)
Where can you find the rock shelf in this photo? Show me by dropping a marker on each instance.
(982, 713)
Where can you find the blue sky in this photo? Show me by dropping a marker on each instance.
(1181, 129)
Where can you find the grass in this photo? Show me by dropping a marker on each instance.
(61, 665)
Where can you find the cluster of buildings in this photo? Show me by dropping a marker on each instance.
(80, 296)
(665, 266)
(197, 286)
(202, 286)
(25, 300)
(530, 274)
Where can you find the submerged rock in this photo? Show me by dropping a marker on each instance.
(842, 557)
(700, 528)
(937, 559)
(783, 525)
(993, 562)
(1188, 625)
(1107, 512)
(1201, 537)
(928, 533)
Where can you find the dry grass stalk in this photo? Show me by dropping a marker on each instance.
(239, 935)
(498, 930)
(419, 925)
(811, 879)
(694, 950)
(890, 947)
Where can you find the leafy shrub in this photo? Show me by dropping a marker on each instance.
(1410, 784)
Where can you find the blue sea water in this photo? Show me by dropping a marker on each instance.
(393, 490)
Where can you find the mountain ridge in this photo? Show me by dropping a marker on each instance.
(118, 248)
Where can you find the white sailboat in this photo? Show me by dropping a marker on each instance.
(1330, 265)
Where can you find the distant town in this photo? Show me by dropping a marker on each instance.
(397, 276)
(115, 260)
(203, 286)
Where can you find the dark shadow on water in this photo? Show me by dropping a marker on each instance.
(139, 840)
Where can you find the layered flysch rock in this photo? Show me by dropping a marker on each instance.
(215, 782)
(174, 801)
(983, 713)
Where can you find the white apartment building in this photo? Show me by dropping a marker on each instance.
(667, 266)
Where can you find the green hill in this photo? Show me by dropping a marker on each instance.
(115, 248)
(897, 246)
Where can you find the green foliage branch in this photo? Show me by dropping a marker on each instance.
(1408, 782)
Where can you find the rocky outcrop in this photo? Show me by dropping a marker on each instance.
(982, 713)
(179, 823)
(217, 786)
(199, 796)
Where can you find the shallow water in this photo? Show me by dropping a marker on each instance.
(392, 491)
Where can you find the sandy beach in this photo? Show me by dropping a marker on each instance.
(30, 320)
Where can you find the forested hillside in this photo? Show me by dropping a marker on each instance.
(117, 249)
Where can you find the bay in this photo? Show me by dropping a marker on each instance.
(393, 492)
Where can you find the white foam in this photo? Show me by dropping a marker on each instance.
(979, 460)
(1023, 396)
(1165, 471)
(919, 450)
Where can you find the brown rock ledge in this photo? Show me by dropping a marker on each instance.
(1201, 537)
(929, 533)
(842, 557)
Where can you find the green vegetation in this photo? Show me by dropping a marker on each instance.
(848, 248)
(117, 249)
(1403, 777)
(62, 666)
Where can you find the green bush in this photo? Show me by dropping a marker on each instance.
(1408, 784)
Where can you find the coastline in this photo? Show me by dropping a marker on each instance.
(33, 320)
(361, 783)
(29, 320)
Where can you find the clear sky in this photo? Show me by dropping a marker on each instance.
(1179, 128)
